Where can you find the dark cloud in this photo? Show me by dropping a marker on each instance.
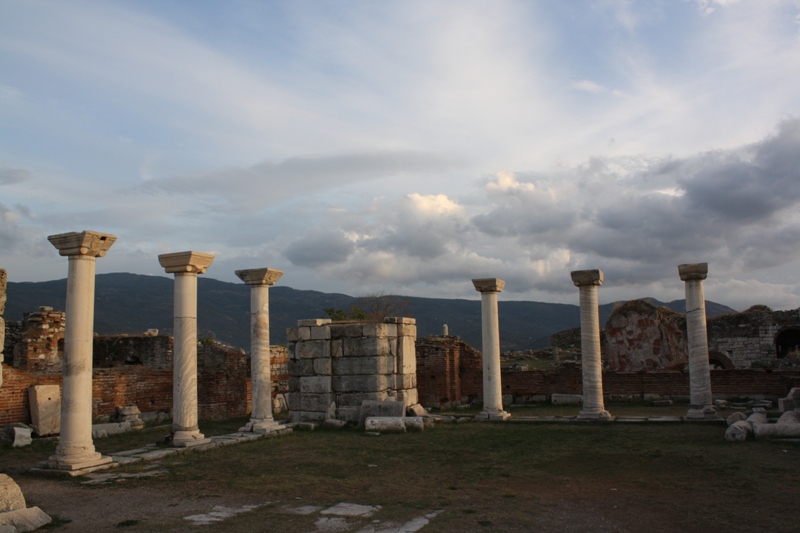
(9, 175)
(269, 182)
(319, 249)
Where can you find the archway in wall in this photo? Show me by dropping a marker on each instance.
(720, 361)
(786, 342)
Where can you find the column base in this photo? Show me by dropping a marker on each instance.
(260, 426)
(492, 416)
(602, 415)
(72, 467)
(188, 439)
(706, 412)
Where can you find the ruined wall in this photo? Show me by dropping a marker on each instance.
(749, 337)
(152, 351)
(448, 370)
(640, 336)
(333, 367)
(40, 345)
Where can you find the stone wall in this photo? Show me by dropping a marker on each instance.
(152, 351)
(640, 336)
(751, 336)
(333, 367)
(40, 344)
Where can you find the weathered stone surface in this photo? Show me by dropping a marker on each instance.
(315, 384)
(407, 397)
(415, 424)
(365, 347)
(740, 431)
(381, 409)
(316, 402)
(22, 437)
(363, 383)
(385, 424)
(356, 399)
(566, 399)
(787, 426)
(365, 366)
(405, 381)
(322, 366)
(792, 400)
(301, 367)
(312, 349)
(640, 336)
(348, 414)
(406, 355)
(3, 285)
(375, 330)
(45, 402)
(416, 410)
(346, 330)
(25, 520)
(11, 497)
(321, 333)
(333, 423)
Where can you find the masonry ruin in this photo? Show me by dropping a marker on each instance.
(334, 367)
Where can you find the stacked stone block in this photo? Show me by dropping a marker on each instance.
(334, 367)
(40, 349)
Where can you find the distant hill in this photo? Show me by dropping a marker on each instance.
(132, 303)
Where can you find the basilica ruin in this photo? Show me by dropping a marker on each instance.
(62, 378)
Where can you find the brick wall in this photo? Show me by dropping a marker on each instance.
(439, 385)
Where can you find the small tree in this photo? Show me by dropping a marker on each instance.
(379, 305)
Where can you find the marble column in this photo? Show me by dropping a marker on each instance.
(701, 405)
(260, 280)
(593, 408)
(186, 266)
(490, 331)
(75, 453)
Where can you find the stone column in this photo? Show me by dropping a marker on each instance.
(186, 266)
(701, 405)
(593, 408)
(490, 332)
(75, 452)
(259, 280)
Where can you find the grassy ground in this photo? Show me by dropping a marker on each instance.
(485, 477)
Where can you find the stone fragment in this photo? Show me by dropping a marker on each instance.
(45, 402)
(22, 437)
(741, 430)
(11, 497)
(351, 509)
(416, 410)
(332, 423)
(381, 409)
(735, 417)
(313, 322)
(787, 427)
(100, 431)
(792, 400)
(415, 423)
(385, 424)
(25, 520)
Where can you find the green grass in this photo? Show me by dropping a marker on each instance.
(495, 477)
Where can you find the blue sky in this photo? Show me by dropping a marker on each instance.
(408, 147)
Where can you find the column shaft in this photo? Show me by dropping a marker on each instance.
(490, 330)
(591, 365)
(75, 443)
(184, 384)
(699, 371)
(260, 354)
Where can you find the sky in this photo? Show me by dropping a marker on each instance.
(408, 147)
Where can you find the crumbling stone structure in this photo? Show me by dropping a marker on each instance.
(640, 336)
(448, 372)
(755, 337)
(39, 345)
(334, 367)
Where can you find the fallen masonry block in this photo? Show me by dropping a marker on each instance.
(385, 424)
(25, 520)
(11, 497)
(22, 437)
(787, 427)
(373, 408)
(741, 430)
(100, 431)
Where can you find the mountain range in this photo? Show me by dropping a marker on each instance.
(133, 303)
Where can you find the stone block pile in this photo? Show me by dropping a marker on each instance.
(335, 367)
(14, 513)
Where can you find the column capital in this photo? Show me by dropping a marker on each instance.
(581, 278)
(88, 243)
(489, 284)
(693, 271)
(260, 276)
(186, 262)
